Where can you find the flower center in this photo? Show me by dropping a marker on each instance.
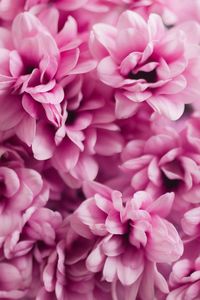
(2, 188)
(71, 118)
(170, 184)
(29, 69)
(150, 77)
(188, 110)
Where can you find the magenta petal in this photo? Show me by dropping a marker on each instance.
(26, 130)
(110, 269)
(67, 155)
(95, 260)
(53, 96)
(31, 38)
(169, 107)
(11, 112)
(162, 206)
(130, 267)
(113, 223)
(43, 144)
(113, 246)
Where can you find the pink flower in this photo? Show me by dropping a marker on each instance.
(99, 149)
(145, 62)
(35, 58)
(21, 189)
(87, 127)
(16, 277)
(185, 280)
(128, 232)
(166, 161)
(37, 236)
(65, 275)
(31, 64)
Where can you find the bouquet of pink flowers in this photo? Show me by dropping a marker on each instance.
(100, 149)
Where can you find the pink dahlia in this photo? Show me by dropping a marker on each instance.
(65, 275)
(35, 58)
(87, 128)
(16, 277)
(166, 162)
(129, 233)
(38, 234)
(22, 190)
(144, 61)
(185, 276)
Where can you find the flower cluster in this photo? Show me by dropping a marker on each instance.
(100, 149)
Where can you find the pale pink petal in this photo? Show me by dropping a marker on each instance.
(43, 144)
(169, 107)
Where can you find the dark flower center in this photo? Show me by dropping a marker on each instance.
(150, 77)
(170, 184)
(188, 110)
(29, 69)
(4, 158)
(2, 188)
(71, 118)
(80, 194)
(126, 235)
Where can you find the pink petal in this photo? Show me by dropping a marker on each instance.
(68, 62)
(66, 156)
(105, 35)
(31, 38)
(95, 260)
(43, 144)
(86, 168)
(110, 269)
(11, 112)
(167, 106)
(55, 96)
(124, 107)
(130, 267)
(113, 223)
(108, 72)
(113, 246)
(26, 130)
(162, 206)
(108, 143)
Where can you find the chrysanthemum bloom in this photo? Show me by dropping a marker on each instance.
(35, 58)
(165, 162)
(65, 275)
(37, 235)
(87, 128)
(144, 61)
(130, 234)
(21, 188)
(16, 277)
(185, 276)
